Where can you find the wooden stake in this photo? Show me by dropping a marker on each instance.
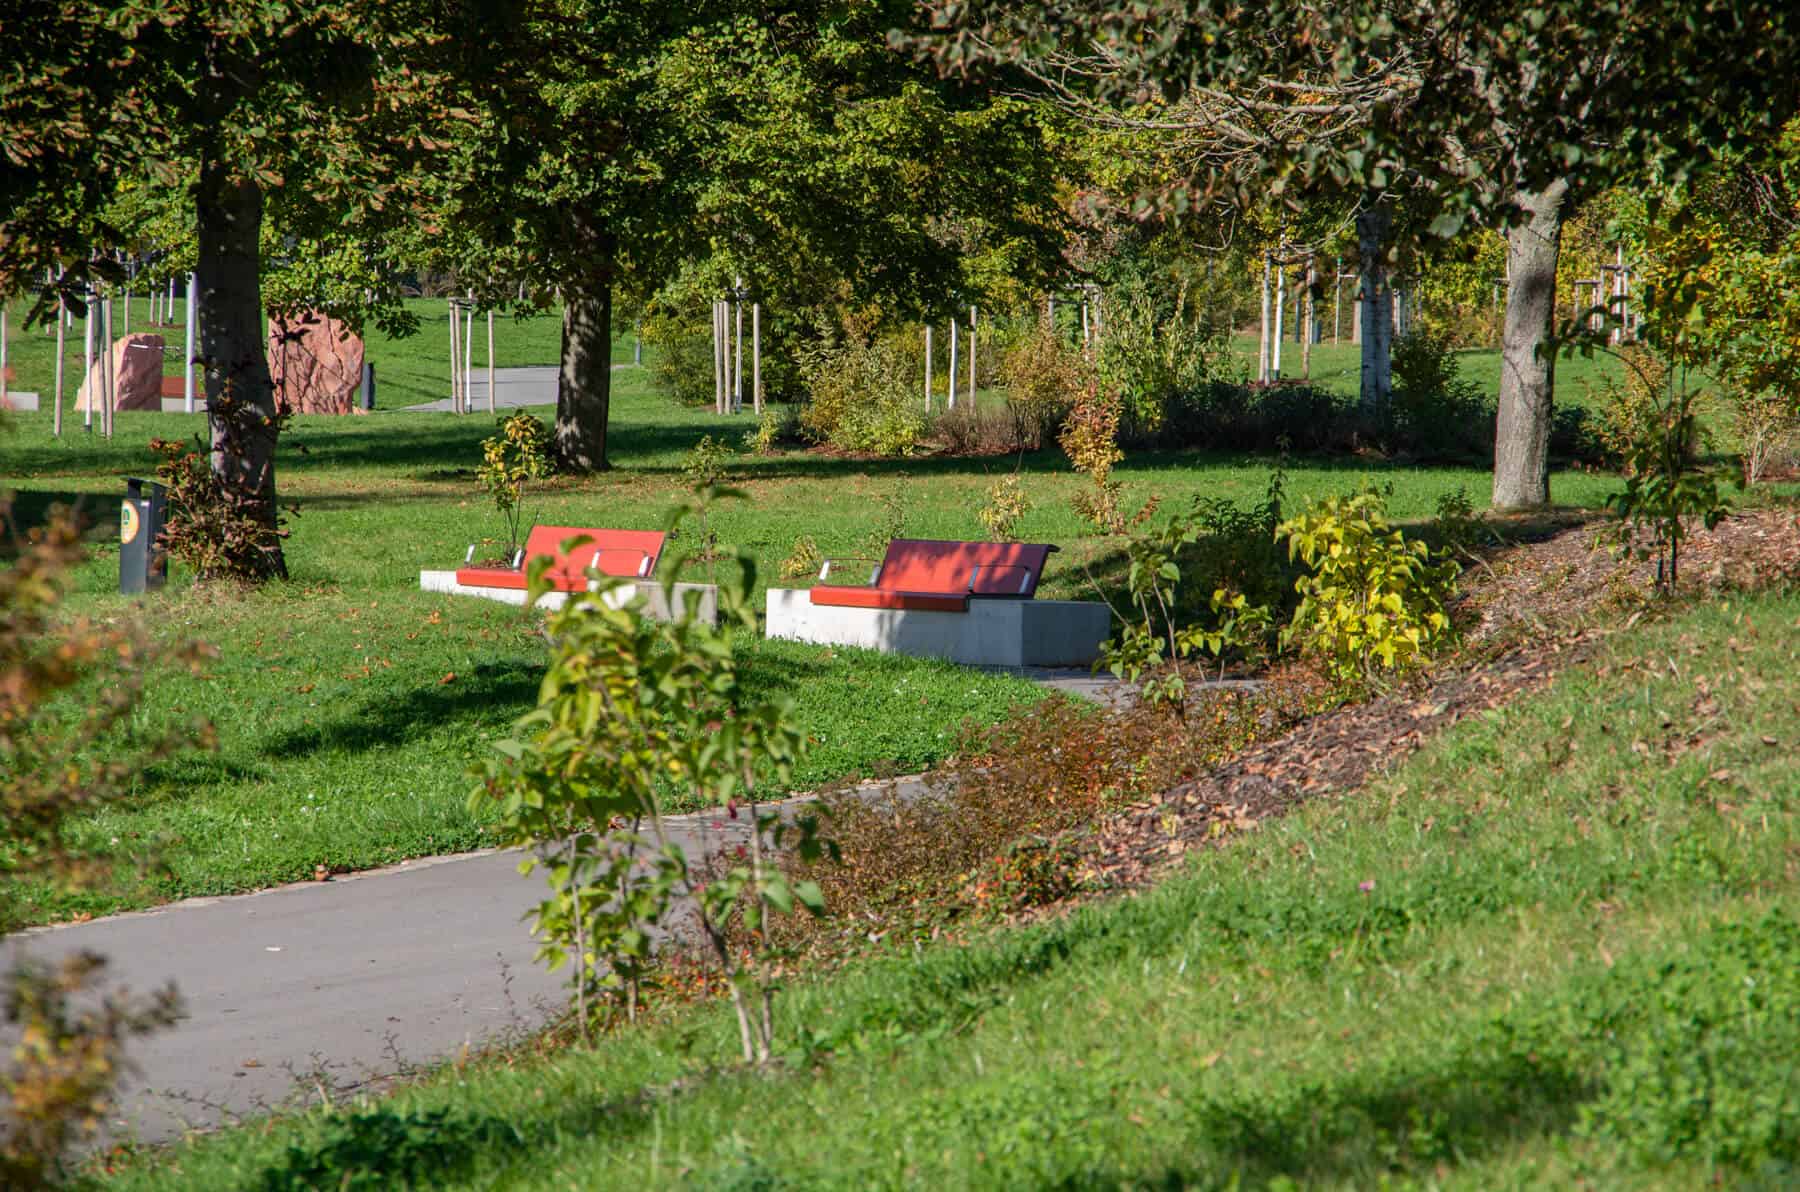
(756, 389)
(455, 372)
(193, 317)
(1306, 322)
(87, 368)
(1262, 345)
(928, 368)
(2, 354)
(468, 355)
(972, 405)
(737, 368)
(718, 362)
(952, 399)
(1280, 309)
(56, 418)
(490, 361)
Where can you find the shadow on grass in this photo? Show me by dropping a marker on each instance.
(30, 508)
(379, 723)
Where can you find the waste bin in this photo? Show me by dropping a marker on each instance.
(142, 564)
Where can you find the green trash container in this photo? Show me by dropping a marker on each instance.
(142, 564)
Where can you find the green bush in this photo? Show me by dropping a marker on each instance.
(863, 398)
(682, 363)
(1435, 410)
(1370, 600)
(1151, 354)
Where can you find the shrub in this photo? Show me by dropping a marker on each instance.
(1231, 416)
(967, 430)
(779, 426)
(862, 398)
(220, 530)
(682, 364)
(1045, 377)
(1151, 354)
(1436, 411)
(1628, 405)
(1006, 504)
(520, 453)
(629, 703)
(1370, 600)
(1764, 425)
(1666, 488)
(1090, 438)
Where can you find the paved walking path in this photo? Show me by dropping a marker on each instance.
(353, 979)
(530, 385)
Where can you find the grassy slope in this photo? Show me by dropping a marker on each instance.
(1559, 941)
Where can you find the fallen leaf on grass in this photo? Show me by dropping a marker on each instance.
(449, 678)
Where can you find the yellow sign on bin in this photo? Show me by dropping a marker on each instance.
(128, 521)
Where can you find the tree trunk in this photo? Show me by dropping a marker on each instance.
(1527, 358)
(240, 397)
(1376, 310)
(584, 387)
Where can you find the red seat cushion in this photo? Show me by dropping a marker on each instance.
(845, 596)
(626, 554)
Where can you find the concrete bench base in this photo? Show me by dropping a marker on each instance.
(12, 399)
(652, 601)
(991, 633)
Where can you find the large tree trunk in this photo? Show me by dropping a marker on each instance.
(1527, 359)
(584, 386)
(240, 397)
(1376, 310)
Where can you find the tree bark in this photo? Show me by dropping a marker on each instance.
(240, 397)
(1527, 357)
(1376, 309)
(584, 386)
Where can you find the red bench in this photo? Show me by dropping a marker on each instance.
(940, 576)
(626, 554)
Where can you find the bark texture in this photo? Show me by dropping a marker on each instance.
(1376, 310)
(1527, 356)
(584, 386)
(240, 397)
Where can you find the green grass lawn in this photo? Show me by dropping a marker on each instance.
(350, 704)
(1557, 947)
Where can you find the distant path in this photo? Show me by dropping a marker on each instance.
(364, 974)
(530, 385)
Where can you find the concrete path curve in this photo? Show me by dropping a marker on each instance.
(345, 983)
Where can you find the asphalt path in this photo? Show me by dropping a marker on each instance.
(514, 388)
(345, 984)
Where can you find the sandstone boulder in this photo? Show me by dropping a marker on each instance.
(137, 361)
(316, 363)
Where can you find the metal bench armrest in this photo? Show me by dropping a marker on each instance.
(826, 566)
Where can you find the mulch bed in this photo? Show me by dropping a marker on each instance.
(1532, 610)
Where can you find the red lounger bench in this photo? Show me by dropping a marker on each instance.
(937, 576)
(625, 554)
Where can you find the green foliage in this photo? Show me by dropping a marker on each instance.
(519, 454)
(682, 363)
(373, 1149)
(1667, 487)
(862, 397)
(704, 465)
(1006, 504)
(1090, 438)
(1151, 353)
(71, 743)
(628, 704)
(1435, 410)
(805, 559)
(779, 426)
(1045, 378)
(223, 530)
(1370, 600)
